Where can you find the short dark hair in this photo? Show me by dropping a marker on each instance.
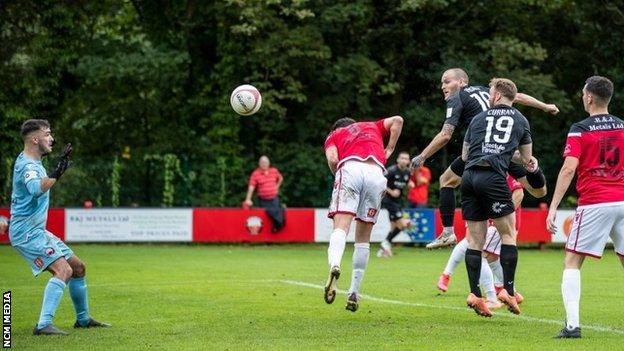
(343, 122)
(403, 152)
(506, 87)
(601, 89)
(32, 125)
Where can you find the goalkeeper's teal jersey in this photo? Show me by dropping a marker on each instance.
(29, 205)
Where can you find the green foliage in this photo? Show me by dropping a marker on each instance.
(155, 78)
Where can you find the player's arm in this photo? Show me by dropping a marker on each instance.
(331, 154)
(465, 150)
(438, 142)
(47, 182)
(528, 100)
(394, 125)
(564, 179)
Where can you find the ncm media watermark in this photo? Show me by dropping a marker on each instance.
(6, 319)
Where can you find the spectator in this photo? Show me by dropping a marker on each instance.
(418, 194)
(267, 181)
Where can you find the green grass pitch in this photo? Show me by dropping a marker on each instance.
(178, 297)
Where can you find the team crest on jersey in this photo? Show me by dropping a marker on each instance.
(497, 207)
(254, 225)
(38, 262)
(30, 174)
(371, 212)
(49, 251)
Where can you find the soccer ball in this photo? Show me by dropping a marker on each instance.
(246, 100)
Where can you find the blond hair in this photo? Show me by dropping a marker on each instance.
(505, 87)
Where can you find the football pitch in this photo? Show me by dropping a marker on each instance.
(178, 297)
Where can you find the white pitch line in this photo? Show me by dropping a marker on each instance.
(416, 304)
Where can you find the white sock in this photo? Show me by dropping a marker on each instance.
(360, 260)
(497, 270)
(571, 291)
(486, 281)
(457, 257)
(337, 242)
(386, 244)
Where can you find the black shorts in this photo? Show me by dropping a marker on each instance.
(394, 209)
(485, 194)
(457, 166)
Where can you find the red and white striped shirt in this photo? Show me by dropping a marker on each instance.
(265, 182)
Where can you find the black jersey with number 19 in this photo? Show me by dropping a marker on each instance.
(494, 135)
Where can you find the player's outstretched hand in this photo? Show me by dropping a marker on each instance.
(63, 163)
(417, 161)
(552, 109)
(67, 150)
(550, 221)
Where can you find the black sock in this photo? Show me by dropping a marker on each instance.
(447, 206)
(473, 266)
(537, 180)
(393, 233)
(516, 171)
(509, 261)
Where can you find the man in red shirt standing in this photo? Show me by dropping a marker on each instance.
(594, 152)
(356, 155)
(418, 195)
(267, 180)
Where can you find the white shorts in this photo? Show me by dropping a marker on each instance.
(492, 241)
(358, 190)
(592, 227)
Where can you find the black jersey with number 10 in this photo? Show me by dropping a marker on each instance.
(494, 135)
(466, 103)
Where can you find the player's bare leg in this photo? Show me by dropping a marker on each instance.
(448, 182)
(476, 239)
(361, 253)
(337, 242)
(509, 260)
(571, 292)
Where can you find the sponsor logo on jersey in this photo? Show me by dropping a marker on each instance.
(254, 225)
(497, 207)
(38, 262)
(449, 112)
(30, 174)
(371, 212)
(567, 149)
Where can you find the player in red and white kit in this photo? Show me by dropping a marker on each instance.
(356, 154)
(491, 270)
(594, 152)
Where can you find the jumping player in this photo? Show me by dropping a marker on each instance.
(491, 271)
(491, 141)
(463, 102)
(594, 152)
(27, 233)
(398, 176)
(356, 155)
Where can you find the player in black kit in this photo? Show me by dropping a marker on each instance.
(493, 138)
(463, 103)
(398, 177)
